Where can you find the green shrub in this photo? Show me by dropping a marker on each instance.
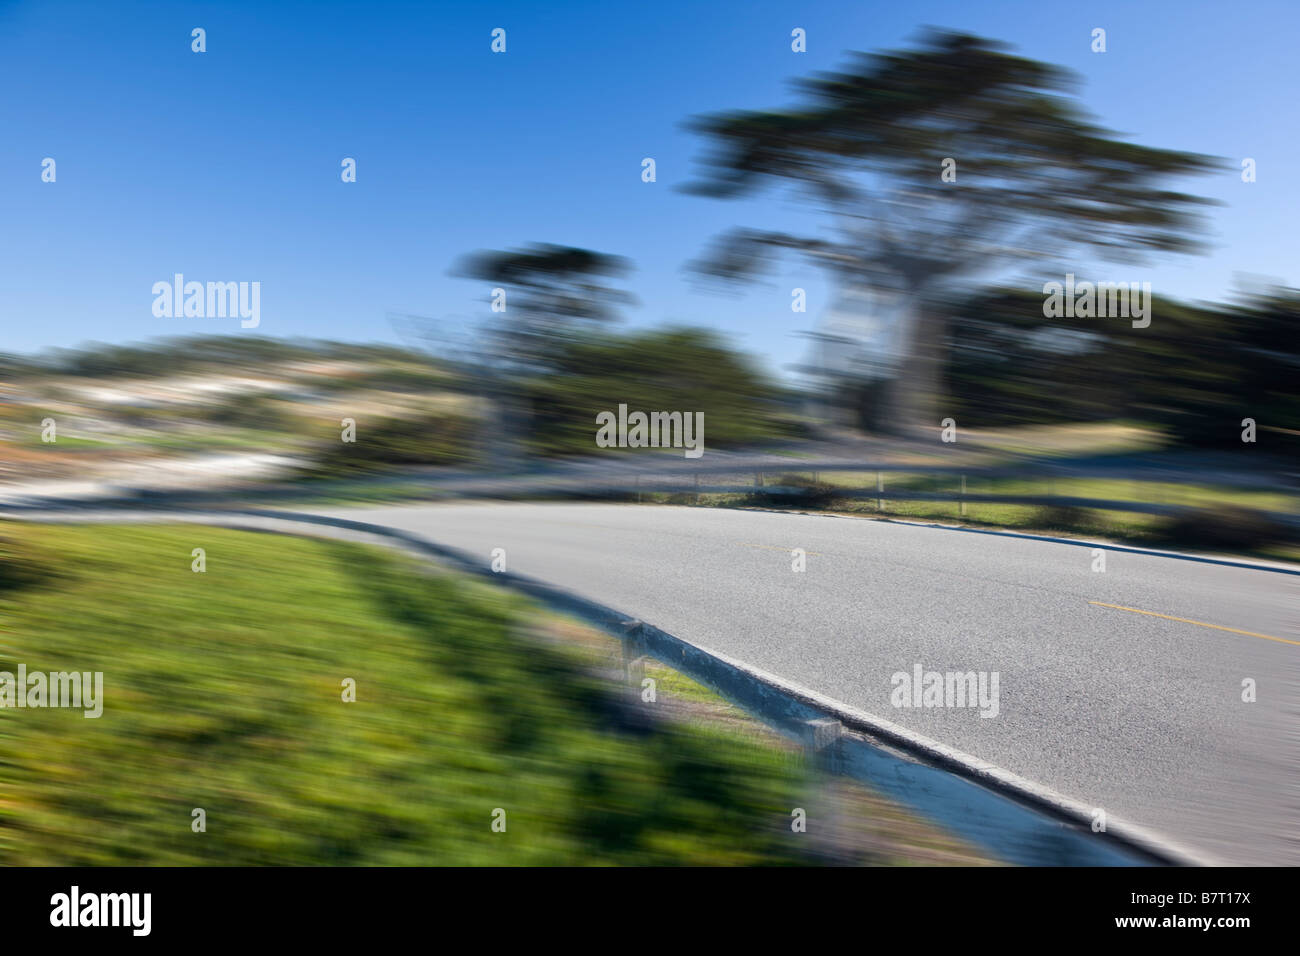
(20, 566)
(446, 439)
(684, 370)
(1229, 526)
(1063, 518)
(796, 491)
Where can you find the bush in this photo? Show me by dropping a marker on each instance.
(20, 567)
(254, 412)
(1226, 527)
(686, 370)
(446, 439)
(1063, 518)
(405, 378)
(795, 491)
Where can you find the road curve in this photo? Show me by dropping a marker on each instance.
(1099, 698)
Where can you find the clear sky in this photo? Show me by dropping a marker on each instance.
(225, 165)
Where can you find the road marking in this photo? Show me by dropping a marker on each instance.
(772, 547)
(1188, 620)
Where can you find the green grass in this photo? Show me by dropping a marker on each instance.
(33, 439)
(1120, 524)
(223, 691)
(1104, 488)
(1111, 489)
(240, 438)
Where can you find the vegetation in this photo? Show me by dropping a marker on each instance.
(680, 369)
(1193, 374)
(1204, 522)
(441, 439)
(181, 354)
(222, 691)
(936, 166)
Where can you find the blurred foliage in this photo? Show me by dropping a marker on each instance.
(222, 691)
(1228, 527)
(405, 378)
(553, 283)
(553, 296)
(1064, 518)
(253, 411)
(553, 293)
(674, 369)
(545, 403)
(797, 491)
(440, 439)
(20, 565)
(1036, 177)
(1194, 373)
(181, 354)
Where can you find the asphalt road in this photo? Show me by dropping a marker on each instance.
(1138, 715)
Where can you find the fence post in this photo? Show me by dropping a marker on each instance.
(821, 742)
(963, 496)
(880, 487)
(633, 653)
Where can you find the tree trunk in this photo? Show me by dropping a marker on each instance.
(502, 429)
(914, 395)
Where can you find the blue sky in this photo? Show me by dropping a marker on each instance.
(225, 165)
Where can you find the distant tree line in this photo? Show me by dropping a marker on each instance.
(177, 354)
(1194, 373)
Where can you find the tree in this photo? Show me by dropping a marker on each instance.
(553, 294)
(1034, 177)
(1194, 374)
(665, 369)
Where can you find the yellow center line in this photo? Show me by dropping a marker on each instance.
(1188, 620)
(771, 547)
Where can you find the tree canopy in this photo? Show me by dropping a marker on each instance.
(941, 163)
